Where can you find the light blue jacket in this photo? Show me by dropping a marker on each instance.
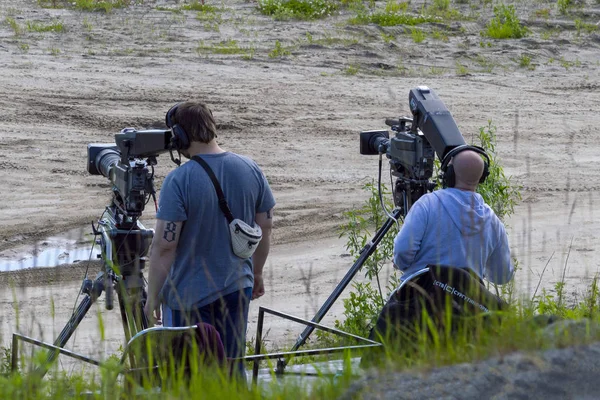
(455, 228)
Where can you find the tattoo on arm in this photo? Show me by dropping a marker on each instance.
(170, 231)
(269, 214)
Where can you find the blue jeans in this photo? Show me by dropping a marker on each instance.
(229, 315)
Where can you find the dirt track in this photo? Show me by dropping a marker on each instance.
(298, 116)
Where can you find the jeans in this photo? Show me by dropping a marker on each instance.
(229, 315)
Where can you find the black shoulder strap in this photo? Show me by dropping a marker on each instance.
(220, 194)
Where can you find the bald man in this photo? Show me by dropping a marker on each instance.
(454, 227)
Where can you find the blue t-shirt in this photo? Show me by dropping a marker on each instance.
(205, 267)
(455, 228)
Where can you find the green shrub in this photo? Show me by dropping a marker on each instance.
(505, 24)
(499, 190)
(297, 9)
(364, 303)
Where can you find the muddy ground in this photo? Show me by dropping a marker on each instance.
(293, 95)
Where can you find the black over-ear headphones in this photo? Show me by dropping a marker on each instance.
(180, 139)
(448, 175)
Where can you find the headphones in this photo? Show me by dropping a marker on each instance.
(448, 175)
(180, 139)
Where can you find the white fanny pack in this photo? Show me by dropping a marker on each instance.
(244, 238)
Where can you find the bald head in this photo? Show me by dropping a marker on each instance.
(468, 168)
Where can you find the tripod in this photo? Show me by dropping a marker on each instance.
(406, 192)
(365, 253)
(124, 242)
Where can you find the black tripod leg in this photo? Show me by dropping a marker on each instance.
(364, 254)
(67, 332)
(131, 304)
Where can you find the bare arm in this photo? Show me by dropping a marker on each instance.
(265, 221)
(162, 255)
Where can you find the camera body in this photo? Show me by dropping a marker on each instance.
(412, 149)
(127, 164)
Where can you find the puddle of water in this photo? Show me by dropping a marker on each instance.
(67, 248)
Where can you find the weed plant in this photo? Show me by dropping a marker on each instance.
(387, 18)
(225, 47)
(418, 36)
(582, 26)
(100, 5)
(198, 6)
(461, 70)
(563, 6)
(279, 51)
(505, 24)
(39, 27)
(297, 9)
(13, 25)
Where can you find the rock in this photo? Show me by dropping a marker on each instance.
(567, 332)
(570, 373)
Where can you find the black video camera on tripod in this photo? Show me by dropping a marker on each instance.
(124, 241)
(411, 153)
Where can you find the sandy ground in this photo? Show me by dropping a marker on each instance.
(298, 116)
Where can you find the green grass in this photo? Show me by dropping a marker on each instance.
(297, 9)
(227, 47)
(461, 70)
(50, 3)
(396, 7)
(177, 10)
(40, 27)
(583, 26)
(279, 51)
(13, 25)
(417, 35)
(391, 19)
(87, 24)
(329, 40)
(566, 64)
(563, 6)
(542, 13)
(485, 63)
(100, 5)
(440, 35)
(524, 61)
(505, 24)
(198, 6)
(351, 70)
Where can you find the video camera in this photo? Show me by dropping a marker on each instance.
(126, 164)
(411, 152)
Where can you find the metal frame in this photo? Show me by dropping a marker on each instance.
(254, 358)
(310, 324)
